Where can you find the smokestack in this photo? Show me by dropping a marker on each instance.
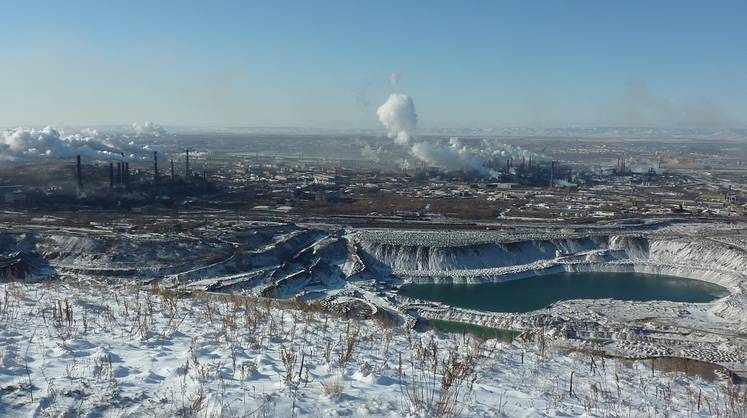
(111, 175)
(121, 165)
(172, 171)
(155, 168)
(186, 173)
(508, 165)
(552, 173)
(79, 172)
(119, 173)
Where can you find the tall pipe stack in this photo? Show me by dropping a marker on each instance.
(172, 171)
(155, 168)
(79, 172)
(186, 172)
(120, 180)
(111, 175)
(552, 173)
(127, 175)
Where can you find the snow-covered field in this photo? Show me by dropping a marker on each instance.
(84, 348)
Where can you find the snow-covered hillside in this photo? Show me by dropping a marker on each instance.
(87, 348)
(358, 271)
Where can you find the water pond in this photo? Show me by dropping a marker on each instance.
(536, 292)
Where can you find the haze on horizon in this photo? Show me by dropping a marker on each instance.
(326, 64)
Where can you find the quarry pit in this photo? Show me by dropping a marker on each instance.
(359, 271)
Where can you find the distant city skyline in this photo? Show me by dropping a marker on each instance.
(332, 64)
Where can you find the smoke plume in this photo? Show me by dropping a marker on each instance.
(149, 129)
(393, 79)
(451, 156)
(49, 143)
(370, 153)
(399, 118)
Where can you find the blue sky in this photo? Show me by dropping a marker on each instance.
(326, 63)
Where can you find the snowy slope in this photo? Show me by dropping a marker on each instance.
(83, 349)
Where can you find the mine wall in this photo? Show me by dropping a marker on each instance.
(692, 258)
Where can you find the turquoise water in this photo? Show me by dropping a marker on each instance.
(536, 292)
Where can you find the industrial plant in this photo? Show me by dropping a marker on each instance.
(373, 209)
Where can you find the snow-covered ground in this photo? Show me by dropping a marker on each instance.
(74, 343)
(85, 348)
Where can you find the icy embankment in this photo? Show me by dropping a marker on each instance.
(71, 348)
(421, 258)
(417, 261)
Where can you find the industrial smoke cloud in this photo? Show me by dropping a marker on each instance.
(399, 118)
(149, 129)
(49, 143)
(452, 156)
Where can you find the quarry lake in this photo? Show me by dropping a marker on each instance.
(524, 295)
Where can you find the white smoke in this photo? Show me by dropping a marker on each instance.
(452, 156)
(399, 118)
(370, 153)
(494, 149)
(49, 143)
(149, 129)
(393, 79)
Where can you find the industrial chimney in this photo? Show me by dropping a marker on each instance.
(552, 173)
(155, 168)
(111, 175)
(186, 173)
(172, 171)
(79, 172)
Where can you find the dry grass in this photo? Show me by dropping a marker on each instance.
(436, 376)
(333, 387)
(440, 380)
